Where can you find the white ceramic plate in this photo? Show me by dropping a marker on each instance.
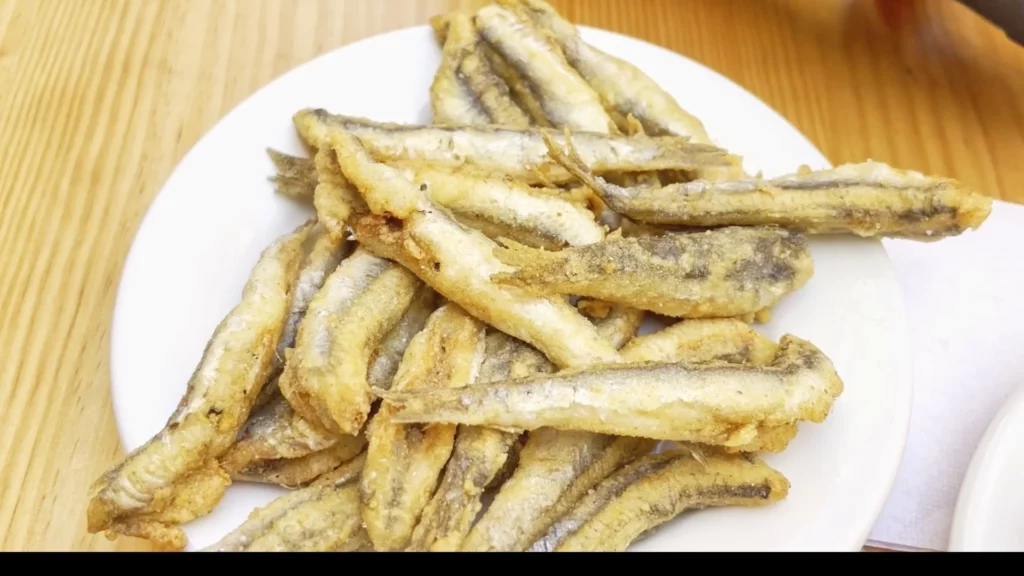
(989, 515)
(215, 214)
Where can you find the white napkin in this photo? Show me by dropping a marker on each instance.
(964, 300)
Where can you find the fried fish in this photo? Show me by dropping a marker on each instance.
(518, 154)
(655, 489)
(869, 199)
(325, 375)
(718, 273)
(404, 461)
(457, 262)
(480, 454)
(322, 517)
(717, 404)
(174, 477)
(466, 89)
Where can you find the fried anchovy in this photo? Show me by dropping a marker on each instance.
(869, 199)
(714, 340)
(518, 154)
(465, 89)
(298, 472)
(388, 355)
(521, 92)
(276, 432)
(131, 496)
(457, 262)
(622, 85)
(323, 255)
(624, 88)
(505, 208)
(705, 340)
(655, 489)
(555, 470)
(295, 177)
(325, 376)
(717, 404)
(717, 273)
(479, 456)
(404, 461)
(336, 202)
(568, 101)
(322, 517)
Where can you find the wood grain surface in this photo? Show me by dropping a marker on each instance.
(99, 100)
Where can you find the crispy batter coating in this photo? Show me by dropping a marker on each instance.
(325, 377)
(465, 89)
(718, 404)
(322, 517)
(149, 491)
(480, 454)
(869, 199)
(404, 461)
(457, 262)
(713, 274)
(655, 489)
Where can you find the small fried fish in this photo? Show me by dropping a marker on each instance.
(568, 101)
(276, 432)
(480, 454)
(465, 89)
(869, 199)
(322, 517)
(404, 461)
(705, 340)
(717, 404)
(387, 357)
(518, 154)
(555, 470)
(325, 375)
(655, 489)
(457, 262)
(718, 273)
(300, 471)
(323, 255)
(142, 495)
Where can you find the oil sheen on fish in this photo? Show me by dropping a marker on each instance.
(555, 470)
(653, 490)
(404, 461)
(717, 273)
(717, 404)
(465, 89)
(519, 154)
(480, 454)
(322, 517)
(568, 101)
(325, 376)
(869, 199)
(140, 494)
(457, 262)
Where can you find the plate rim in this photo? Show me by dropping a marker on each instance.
(896, 449)
(969, 497)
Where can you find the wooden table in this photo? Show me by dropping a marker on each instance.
(99, 100)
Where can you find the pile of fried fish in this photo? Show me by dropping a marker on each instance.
(446, 357)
